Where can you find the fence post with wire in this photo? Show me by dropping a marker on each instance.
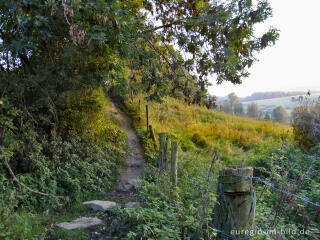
(163, 152)
(174, 163)
(235, 210)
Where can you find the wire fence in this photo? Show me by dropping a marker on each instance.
(240, 179)
(271, 186)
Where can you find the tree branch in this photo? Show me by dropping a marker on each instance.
(176, 22)
(24, 186)
(21, 184)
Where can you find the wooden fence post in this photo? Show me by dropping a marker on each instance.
(152, 135)
(139, 106)
(163, 149)
(174, 163)
(235, 211)
(147, 117)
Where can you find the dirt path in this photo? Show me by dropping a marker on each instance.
(134, 159)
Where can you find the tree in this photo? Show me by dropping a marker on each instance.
(238, 108)
(267, 116)
(232, 103)
(280, 114)
(112, 43)
(210, 102)
(253, 110)
(217, 35)
(227, 107)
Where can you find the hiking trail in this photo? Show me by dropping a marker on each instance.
(134, 159)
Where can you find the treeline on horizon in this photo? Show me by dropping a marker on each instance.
(267, 95)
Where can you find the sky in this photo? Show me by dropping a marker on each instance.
(292, 64)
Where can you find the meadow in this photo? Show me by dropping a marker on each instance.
(200, 130)
(267, 105)
(266, 146)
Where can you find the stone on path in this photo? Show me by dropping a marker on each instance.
(98, 205)
(78, 223)
(132, 205)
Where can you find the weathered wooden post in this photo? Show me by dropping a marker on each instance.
(139, 107)
(174, 163)
(235, 211)
(163, 149)
(152, 135)
(139, 111)
(147, 117)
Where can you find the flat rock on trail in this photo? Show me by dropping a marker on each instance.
(134, 159)
(124, 190)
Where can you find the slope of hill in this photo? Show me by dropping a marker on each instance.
(199, 129)
(240, 141)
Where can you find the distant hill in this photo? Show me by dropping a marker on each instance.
(267, 105)
(268, 95)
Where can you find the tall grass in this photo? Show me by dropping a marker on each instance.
(198, 129)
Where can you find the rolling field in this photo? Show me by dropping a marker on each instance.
(267, 105)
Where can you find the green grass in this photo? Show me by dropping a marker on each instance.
(199, 130)
(240, 141)
(27, 225)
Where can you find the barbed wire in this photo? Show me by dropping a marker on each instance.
(258, 179)
(227, 236)
(270, 185)
(198, 185)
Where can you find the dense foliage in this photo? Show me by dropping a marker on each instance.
(296, 172)
(306, 125)
(67, 165)
(280, 114)
(58, 60)
(233, 105)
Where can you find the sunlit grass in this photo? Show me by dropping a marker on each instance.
(199, 129)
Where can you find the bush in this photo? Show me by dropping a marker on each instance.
(280, 114)
(306, 126)
(294, 171)
(81, 158)
(199, 140)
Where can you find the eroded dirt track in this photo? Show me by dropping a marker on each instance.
(134, 159)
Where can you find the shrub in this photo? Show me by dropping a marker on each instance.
(84, 159)
(199, 140)
(306, 126)
(280, 114)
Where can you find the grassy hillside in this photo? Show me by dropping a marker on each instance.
(267, 105)
(199, 129)
(186, 210)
